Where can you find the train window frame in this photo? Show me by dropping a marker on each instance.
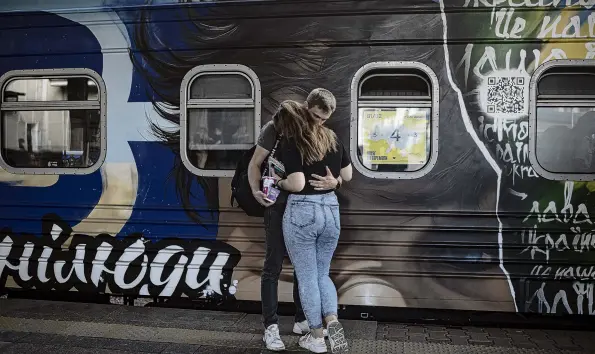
(186, 103)
(66, 73)
(569, 101)
(357, 81)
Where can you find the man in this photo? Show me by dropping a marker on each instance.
(321, 104)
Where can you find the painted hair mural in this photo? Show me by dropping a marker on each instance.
(312, 57)
(124, 228)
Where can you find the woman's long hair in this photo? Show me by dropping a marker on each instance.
(313, 139)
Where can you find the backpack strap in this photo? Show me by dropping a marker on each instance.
(272, 153)
(238, 172)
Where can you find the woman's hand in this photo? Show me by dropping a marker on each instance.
(261, 199)
(328, 182)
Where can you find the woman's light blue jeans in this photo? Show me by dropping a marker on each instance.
(311, 228)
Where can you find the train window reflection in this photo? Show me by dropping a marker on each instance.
(46, 139)
(220, 118)
(573, 131)
(51, 89)
(221, 86)
(52, 121)
(562, 121)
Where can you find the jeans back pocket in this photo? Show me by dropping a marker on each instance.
(302, 213)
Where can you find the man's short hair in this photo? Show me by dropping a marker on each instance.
(322, 98)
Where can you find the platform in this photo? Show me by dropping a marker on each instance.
(34, 326)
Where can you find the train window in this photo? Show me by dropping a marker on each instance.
(220, 117)
(562, 120)
(53, 121)
(394, 125)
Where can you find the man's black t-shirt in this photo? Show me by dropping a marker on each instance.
(292, 159)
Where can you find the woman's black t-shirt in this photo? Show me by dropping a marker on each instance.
(292, 159)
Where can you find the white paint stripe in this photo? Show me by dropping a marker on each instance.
(126, 121)
(56, 231)
(480, 144)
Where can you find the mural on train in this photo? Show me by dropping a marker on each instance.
(546, 225)
(481, 231)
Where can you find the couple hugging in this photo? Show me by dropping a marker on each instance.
(303, 218)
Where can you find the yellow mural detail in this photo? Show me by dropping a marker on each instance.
(574, 48)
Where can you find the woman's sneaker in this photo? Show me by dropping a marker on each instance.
(336, 336)
(315, 345)
(303, 328)
(272, 339)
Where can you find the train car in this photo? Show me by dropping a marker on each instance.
(122, 122)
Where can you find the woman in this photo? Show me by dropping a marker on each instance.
(311, 224)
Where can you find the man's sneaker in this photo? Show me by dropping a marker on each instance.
(303, 328)
(336, 336)
(272, 339)
(315, 345)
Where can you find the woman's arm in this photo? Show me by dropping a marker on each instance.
(294, 183)
(346, 173)
(346, 169)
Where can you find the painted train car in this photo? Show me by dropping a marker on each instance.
(470, 123)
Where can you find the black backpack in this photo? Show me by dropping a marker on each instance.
(241, 191)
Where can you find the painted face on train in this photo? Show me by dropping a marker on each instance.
(426, 242)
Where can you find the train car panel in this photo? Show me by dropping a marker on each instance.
(497, 220)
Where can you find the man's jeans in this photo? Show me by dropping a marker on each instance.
(273, 263)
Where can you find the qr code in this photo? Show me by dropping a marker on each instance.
(506, 95)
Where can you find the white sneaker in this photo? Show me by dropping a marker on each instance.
(315, 345)
(272, 339)
(303, 328)
(336, 336)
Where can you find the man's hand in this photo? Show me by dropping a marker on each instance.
(260, 198)
(328, 182)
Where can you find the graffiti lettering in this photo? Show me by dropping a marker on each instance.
(543, 243)
(559, 297)
(581, 215)
(131, 266)
(495, 85)
(503, 128)
(503, 20)
(517, 154)
(587, 4)
(510, 138)
(573, 29)
(576, 273)
(541, 271)
(517, 171)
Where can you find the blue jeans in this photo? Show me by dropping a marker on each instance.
(311, 228)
